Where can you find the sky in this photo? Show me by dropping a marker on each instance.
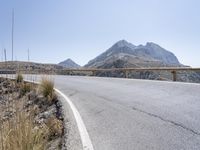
(54, 30)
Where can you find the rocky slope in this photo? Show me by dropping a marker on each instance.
(69, 64)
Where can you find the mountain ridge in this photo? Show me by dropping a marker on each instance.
(148, 55)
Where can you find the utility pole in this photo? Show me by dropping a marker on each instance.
(28, 62)
(2, 55)
(5, 60)
(5, 55)
(6, 67)
(28, 56)
(12, 32)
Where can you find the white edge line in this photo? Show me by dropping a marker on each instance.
(85, 138)
(86, 141)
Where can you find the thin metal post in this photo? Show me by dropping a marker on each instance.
(5, 55)
(2, 55)
(126, 73)
(94, 73)
(12, 32)
(174, 75)
(5, 62)
(28, 56)
(28, 62)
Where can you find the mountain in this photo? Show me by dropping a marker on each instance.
(124, 54)
(69, 64)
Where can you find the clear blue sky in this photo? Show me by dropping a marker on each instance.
(54, 30)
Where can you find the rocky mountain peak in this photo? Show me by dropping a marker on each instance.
(69, 63)
(153, 45)
(124, 43)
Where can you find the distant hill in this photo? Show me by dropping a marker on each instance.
(26, 66)
(124, 54)
(69, 64)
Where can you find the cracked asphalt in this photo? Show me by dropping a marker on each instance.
(128, 114)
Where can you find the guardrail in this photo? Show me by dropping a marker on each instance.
(172, 70)
(139, 69)
(7, 72)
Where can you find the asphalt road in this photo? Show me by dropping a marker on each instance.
(126, 114)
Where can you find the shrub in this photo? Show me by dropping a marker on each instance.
(20, 133)
(47, 89)
(19, 78)
(25, 88)
(55, 127)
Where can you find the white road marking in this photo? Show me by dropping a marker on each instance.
(85, 139)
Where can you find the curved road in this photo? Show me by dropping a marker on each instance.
(127, 114)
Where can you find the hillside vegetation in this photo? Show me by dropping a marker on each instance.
(29, 118)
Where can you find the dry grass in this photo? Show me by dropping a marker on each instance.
(47, 89)
(55, 126)
(25, 88)
(20, 133)
(20, 130)
(19, 78)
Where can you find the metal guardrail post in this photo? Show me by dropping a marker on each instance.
(174, 75)
(126, 73)
(94, 73)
